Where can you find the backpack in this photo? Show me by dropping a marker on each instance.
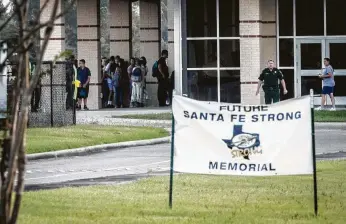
(155, 69)
(136, 74)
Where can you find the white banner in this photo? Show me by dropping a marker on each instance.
(232, 139)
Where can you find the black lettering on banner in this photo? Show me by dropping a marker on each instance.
(252, 167)
(240, 108)
(212, 165)
(264, 167)
(222, 166)
(271, 168)
(232, 166)
(243, 167)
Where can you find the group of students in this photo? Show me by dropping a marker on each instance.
(124, 84)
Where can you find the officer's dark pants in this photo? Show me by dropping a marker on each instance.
(69, 97)
(271, 96)
(162, 92)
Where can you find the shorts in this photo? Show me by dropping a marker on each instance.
(327, 90)
(82, 93)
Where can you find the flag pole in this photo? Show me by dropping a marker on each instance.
(313, 150)
(171, 166)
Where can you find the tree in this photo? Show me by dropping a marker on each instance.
(14, 127)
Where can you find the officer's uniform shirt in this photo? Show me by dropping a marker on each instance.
(271, 78)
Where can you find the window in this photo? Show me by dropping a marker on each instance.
(336, 17)
(201, 54)
(313, 25)
(230, 86)
(309, 18)
(229, 18)
(289, 80)
(285, 8)
(201, 18)
(229, 53)
(213, 59)
(286, 52)
(337, 53)
(202, 85)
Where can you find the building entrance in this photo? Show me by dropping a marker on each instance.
(309, 63)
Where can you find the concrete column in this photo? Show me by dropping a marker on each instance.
(120, 28)
(57, 41)
(257, 44)
(71, 26)
(105, 28)
(164, 24)
(268, 31)
(136, 29)
(250, 49)
(170, 34)
(89, 46)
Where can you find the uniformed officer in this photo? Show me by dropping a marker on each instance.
(270, 77)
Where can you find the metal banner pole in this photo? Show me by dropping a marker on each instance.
(313, 150)
(171, 166)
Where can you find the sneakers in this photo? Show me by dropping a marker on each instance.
(322, 108)
(85, 107)
(319, 108)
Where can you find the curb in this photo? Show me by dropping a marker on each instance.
(125, 122)
(331, 125)
(97, 148)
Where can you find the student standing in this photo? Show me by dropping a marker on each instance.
(162, 76)
(116, 86)
(83, 75)
(270, 78)
(328, 84)
(145, 72)
(137, 77)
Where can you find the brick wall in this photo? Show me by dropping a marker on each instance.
(250, 54)
(257, 44)
(149, 43)
(57, 41)
(120, 28)
(88, 46)
(88, 41)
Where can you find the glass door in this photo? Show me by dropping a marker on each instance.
(309, 62)
(336, 50)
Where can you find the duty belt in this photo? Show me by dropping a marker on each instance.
(271, 88)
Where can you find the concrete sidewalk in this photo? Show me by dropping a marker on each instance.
(122, 111)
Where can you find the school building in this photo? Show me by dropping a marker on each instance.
(217, 48)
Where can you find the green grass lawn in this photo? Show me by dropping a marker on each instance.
(52, 139)
(197, 199)
(330, 116)
(320, 116)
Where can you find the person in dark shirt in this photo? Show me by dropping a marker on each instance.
(270, 78)
(83, 75)
(124, 84)
(162, 77)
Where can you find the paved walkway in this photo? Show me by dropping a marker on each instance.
(123, 111)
